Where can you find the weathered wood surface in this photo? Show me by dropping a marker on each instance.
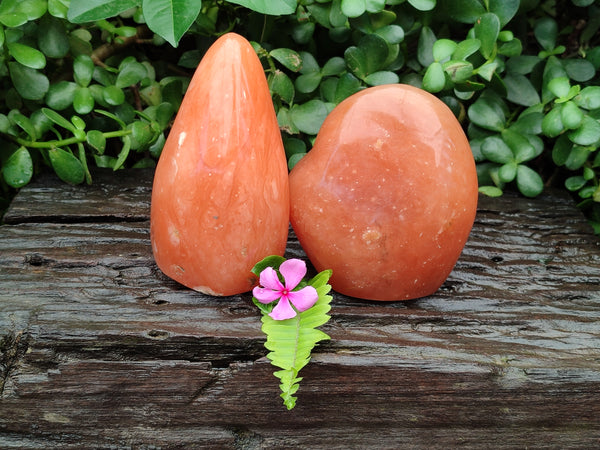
(100, 350)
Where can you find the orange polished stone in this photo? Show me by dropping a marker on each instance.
(388, 194)
(220, 199)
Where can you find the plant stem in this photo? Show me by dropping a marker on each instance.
(64, 142)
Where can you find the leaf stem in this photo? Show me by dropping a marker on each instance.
(64, 142)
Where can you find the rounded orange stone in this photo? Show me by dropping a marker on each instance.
(387, 196)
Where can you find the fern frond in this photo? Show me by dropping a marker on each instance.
(291, 341)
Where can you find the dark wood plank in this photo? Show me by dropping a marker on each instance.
(111, 197)
(99, 349)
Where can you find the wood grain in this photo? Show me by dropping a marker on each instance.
(98, 349)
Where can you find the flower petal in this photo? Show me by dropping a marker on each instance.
(293, 270)
(283, 310)
(269, 279)
(304, 298)
(264, 295)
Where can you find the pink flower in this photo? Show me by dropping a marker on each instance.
(271, 289)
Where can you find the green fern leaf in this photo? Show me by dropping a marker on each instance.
(291, 341)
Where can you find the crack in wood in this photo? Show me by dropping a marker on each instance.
(13, 346)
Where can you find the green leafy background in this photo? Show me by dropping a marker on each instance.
(96, 83)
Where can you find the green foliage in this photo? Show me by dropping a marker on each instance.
(520, 75)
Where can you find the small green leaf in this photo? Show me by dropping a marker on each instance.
(511, 48)
(486, 115)
(58, 8)
(284, 120)
(443, 49)
(507, 172)
(333, 66)
(309, 116)
(123, 154)
(83, 70)
(40, 122)
(545, 31)
(466, 48)
(356, 59)
(303, 32)
(288, 58)
(552, 124)
(58, 119)
(423, 5)
(336, 17)
(588, 133)
(522, 64)
(18, 168)
(491, 191)
(529, 122)
(381, 77)
(561, 150)
(67, 167)
(425, 46)
(588, 173)
(309, 63)
(392, 34)
(588, 98)
(293, 160)
(273, 261)
(577, 157)
(12, 19)
(327, 89)
(504, 9)
(459, 71)
(24, 123)
(170, 19)
(353, 8)
(83, 100)
(308, 82)
(113, 95)
(487, 70)
(52, 37)
(78, 122)
(465, 11)
(347, 85)
(142, 134)
(293, 146)
(579, 70)
(281, 85)
(96, 140)
(26, 55)
(32, 9)
(271, 7)
(589, 192)
(131, 73)
(571, 116)
(519, 90)
(559, 86)
(29, 83)
(376, 51)
(529, 181)
(496, 150)
(5, 124)
(573, 92)
(575, 183)
(92, 10)
(520, 146)
(434, 79)
(486, 30)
